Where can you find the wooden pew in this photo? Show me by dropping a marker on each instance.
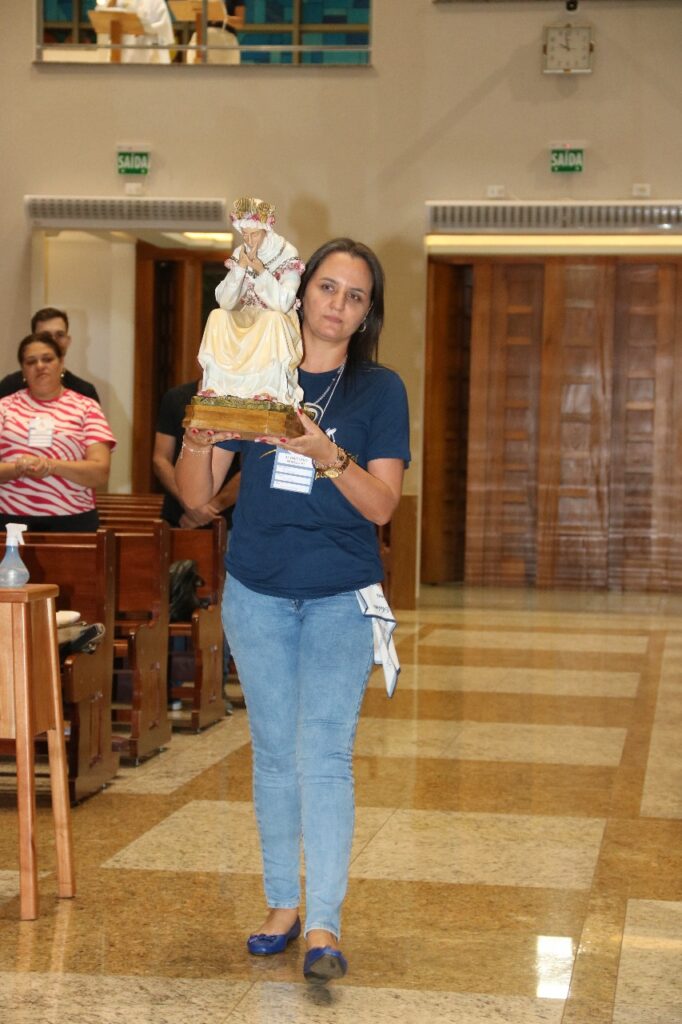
(140, 721)
(151, 503)
(197, 678)
(140, 711)
(82, 566)
(203, 690)
(109, 498)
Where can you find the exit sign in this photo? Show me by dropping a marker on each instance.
(133, 161)
(567, 161)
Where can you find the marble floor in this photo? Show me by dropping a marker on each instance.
(517, 858)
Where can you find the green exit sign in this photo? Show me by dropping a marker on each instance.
(567, 161)
(133, 161)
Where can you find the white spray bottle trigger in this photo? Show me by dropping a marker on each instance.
(15, 534)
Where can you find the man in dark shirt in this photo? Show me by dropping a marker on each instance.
(55, 323)
(167, 445)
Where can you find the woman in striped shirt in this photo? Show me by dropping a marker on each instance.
(55, 446)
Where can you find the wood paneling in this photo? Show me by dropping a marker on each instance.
(574, 473)
(575, 424)
(643, 437)
(400, 540)
(501, 492)
(675, 546)
(446, 415)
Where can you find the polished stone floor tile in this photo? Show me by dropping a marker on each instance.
(493, 679)
(9, 885)
(537, 640)
(483, 849)
(544, 744)
(427, 846)
(628, 1014)
(500, 787)
(346, 1004)
(519, 708)
(482, 602)
(650, 975)
(87, 999)
(184, 759)
(83, 999)
(519, 657)
(517, 858)
(662, 793)
(490, 741)
(205, 835)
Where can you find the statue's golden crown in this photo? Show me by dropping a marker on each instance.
(251, 208)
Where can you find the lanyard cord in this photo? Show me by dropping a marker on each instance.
(333, 386)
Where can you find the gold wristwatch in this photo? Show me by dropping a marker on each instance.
(339, 466)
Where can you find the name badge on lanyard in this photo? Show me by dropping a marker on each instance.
(292, 472)
(40, 431)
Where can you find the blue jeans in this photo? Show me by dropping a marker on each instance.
(303, 666)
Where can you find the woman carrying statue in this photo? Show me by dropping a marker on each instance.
(300, 559)
(252, 345)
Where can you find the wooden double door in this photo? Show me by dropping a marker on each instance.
(174, 293)
(553, 446)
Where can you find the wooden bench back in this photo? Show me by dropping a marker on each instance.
(82, 566)
(129, 500)
(142, 561)
(206, 547)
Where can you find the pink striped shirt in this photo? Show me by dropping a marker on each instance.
(76, 422)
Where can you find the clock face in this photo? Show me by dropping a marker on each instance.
(568, 49)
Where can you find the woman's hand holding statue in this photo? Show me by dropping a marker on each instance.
(197, 439)
(314, 443)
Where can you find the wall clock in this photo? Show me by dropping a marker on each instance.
(567, 49)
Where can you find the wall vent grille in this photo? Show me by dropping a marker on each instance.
(125, 212)
(448, 216)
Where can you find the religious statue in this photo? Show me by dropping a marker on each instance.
(252, 344)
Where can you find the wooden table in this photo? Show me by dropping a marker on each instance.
(31, 704)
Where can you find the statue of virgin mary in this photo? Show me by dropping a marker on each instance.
(252, 345)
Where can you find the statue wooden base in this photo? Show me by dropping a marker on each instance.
(250, 418)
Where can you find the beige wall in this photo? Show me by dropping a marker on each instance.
(454, 101)
(94, 280)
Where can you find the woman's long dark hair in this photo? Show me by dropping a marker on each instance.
(364, 343)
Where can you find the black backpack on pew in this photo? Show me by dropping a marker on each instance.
(79, 637)
(184, 583)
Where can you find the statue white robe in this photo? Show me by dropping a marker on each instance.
(252, 345)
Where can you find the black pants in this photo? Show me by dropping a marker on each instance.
(81, 522)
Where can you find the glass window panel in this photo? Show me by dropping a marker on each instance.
(260, 12)
(316, 12)
(335, 39)
(58, 10)
(66, 21)
(265, 39)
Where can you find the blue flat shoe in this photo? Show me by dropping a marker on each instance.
(267, 945)
(324, 964)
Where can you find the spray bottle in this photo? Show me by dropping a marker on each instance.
(13, 572)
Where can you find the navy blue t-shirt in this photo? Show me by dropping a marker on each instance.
(287, 544)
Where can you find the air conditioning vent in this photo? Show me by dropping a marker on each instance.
(126, 212)
(454, 216)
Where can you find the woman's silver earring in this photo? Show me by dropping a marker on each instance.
(24, 381)
(363, 327)
(61, 375)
